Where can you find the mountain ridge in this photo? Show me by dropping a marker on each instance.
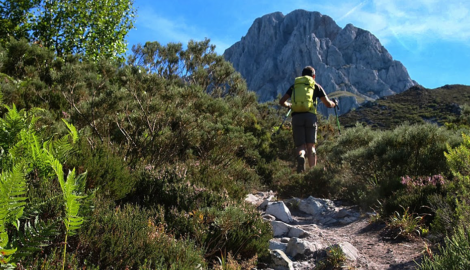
(417, 105)
(277, 47)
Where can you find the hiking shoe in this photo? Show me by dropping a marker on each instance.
(300, 164)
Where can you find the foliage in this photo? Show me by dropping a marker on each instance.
(197, 65)
(375, 161)
(107, 172)
(228, 262)
(93, 28)
(405, 225)
(14, 19)
(457, 199)
(454, 254)
(318, 182)
(131, 236)
(206, 216)
(443, 106)
(335, 258)
(24, 157)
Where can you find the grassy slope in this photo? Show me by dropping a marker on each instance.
(416, 105)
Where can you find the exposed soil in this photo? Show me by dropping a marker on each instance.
(377, 248)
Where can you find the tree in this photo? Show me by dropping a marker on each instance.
(14, 18)
(199, 65)
(91, 27)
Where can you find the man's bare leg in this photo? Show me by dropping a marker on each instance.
(302, 154)
(311, 155)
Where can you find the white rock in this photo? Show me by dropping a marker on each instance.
(298, 246)
(280, 211)
(277, 245)
(265, 203)
(297, 232)
(280, 260)
(267, 217)
(251, 199)
(311, 206)
(349, 250)
(281, 229)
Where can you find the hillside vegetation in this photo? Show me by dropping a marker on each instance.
(146, 164)
(417, 105)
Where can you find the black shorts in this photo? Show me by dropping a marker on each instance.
(304, 127)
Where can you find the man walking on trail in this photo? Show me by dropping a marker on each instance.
(303, 94)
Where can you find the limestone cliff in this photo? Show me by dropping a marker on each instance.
(348, 61)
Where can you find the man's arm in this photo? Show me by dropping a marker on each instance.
(328, 103)
(283, 101)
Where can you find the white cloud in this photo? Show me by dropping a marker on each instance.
(165, 30)
(417, 19)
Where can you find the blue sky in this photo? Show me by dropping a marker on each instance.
(430, 37)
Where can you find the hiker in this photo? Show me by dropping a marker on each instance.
(303, 94)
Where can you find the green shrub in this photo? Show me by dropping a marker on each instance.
(319, 182)
(209, 217)
(130, 236)
(236, 229)
(455, 254)
(416, 195)
(458, 190)
(106, 170)
(375, 161)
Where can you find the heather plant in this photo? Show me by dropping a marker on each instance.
(453, 254)
(212, 218)
(375, 161)
(107, 172)
(457, 190)
(135, 237)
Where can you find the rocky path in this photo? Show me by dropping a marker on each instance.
(305, 230)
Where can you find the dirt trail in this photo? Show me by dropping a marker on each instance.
(377, 251)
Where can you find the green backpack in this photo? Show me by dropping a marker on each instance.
(302, 95)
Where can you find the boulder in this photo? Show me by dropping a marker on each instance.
(280, 211)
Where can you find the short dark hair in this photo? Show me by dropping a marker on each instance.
(308, 71)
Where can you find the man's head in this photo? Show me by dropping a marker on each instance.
(308, 71)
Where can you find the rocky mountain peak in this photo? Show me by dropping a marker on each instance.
(350, 62)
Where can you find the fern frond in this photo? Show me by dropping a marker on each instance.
(62, 147)
(71, 190)
(34, 236)
(29, 148)
(10, 125)
(72, 131)
(12, 194)
(12, 200)
(73, 187)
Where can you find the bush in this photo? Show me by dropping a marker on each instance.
(375, 161)
(106, 170)
(455, 254)
(130, 236)
(214, 220)
(319, 182)
(458, 190)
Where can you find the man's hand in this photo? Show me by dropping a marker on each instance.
(335, 101)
